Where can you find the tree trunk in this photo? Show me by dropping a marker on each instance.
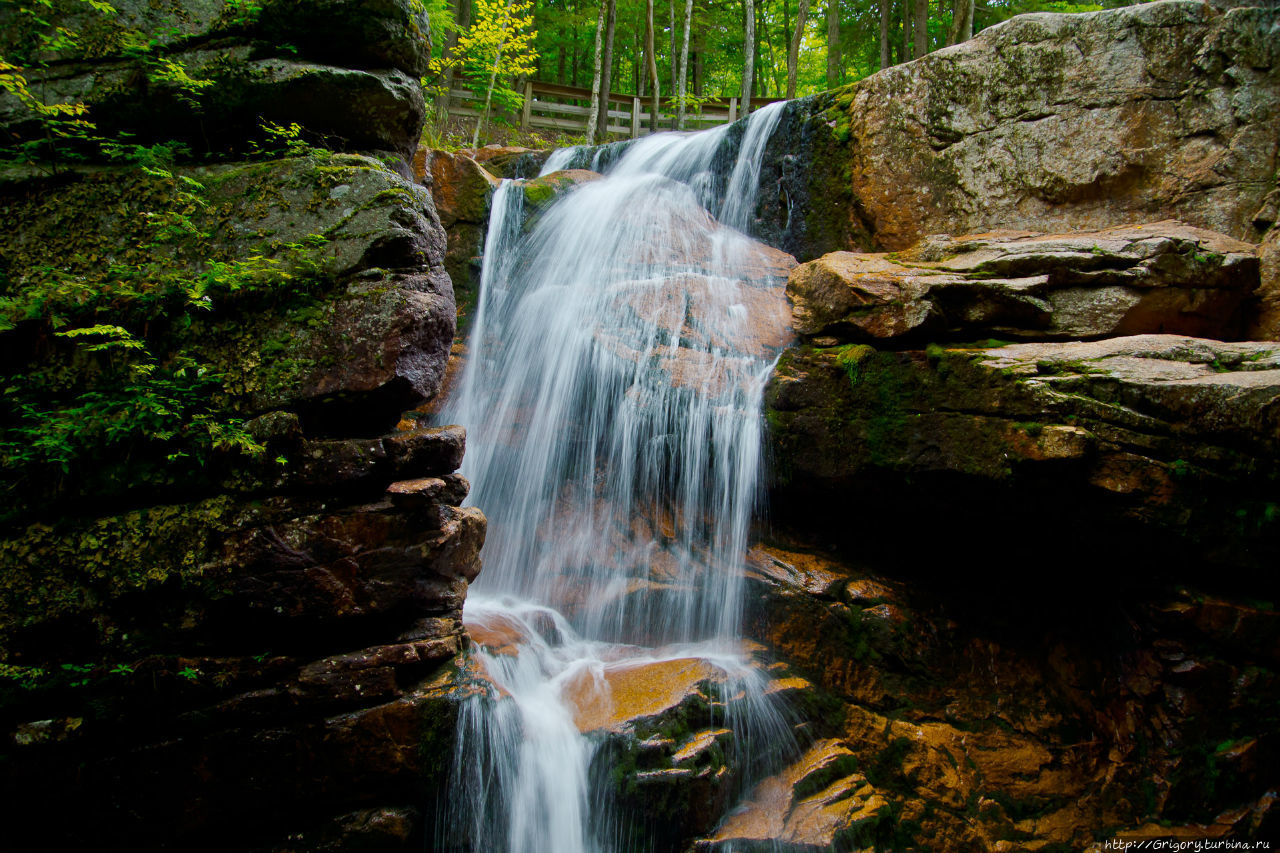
(461, 17)
(748, 52)
(675, 44)
(884, 34)
(906, 31)
(961, 21)
(593, 118)
(833, 43)
(606, 80)
(921, 28)
(684, 62)
(651, 60)
(488, 95)
(793, 55)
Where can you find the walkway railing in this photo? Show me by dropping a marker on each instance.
(566, 108)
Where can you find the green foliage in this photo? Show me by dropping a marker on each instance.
(498, 47)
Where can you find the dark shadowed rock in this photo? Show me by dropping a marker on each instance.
(1170, 435)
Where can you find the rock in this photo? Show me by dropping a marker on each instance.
(1266, 325)
(812, 805)
(358, 92)
(998, 754)
(415, 494)
(1159, 278)
(460, 186)
(427, 450)
(353, 33)
(1156, 432)
(540, 193)
(509, 161)
(632, 693)
(1044, 122)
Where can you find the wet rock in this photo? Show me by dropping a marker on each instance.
(812, 805)
(460, 186)
(540, 193)
(1158, 278)
(1057, 727)
(629, 693)
(1045, 122)
(509, 161)
(462, 190)
(427, 450)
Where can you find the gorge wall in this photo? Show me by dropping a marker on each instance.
(1025, 485)
(247, 641)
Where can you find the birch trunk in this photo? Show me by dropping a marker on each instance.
(593, 118)
(748, 52)
(681, 109)
(611, 22)
(651, 61)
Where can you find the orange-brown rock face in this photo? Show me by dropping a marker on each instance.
(628, 692)
(966, 724)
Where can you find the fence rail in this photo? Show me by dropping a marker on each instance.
(557, 107)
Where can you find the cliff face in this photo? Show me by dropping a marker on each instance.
(243, 637)
(1025, 485)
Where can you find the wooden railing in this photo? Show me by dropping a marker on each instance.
(566, 108)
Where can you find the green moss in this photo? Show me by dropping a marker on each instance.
(48, 572)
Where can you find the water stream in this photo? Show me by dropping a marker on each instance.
(612, 398)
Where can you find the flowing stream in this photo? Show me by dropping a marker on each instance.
(612, 398)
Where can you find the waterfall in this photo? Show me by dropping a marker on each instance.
(612, 398)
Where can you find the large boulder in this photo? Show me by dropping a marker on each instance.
(211, 73)
(1045, 122)
(1162, 277)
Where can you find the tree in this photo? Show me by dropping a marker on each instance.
(593, 117)
(681, 106)
(833, 43)
(921, 28)
(905, 54)
(606, 79)
(651, 64)
(793, 54)
(498, 46)
(961, 21)
(748, 50)
(884, 34)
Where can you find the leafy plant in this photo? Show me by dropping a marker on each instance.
(498, 46)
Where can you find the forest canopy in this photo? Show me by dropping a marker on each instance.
(829, 42)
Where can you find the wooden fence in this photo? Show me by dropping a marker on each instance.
(566, 108)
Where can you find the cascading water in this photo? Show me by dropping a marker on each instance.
(612, 401)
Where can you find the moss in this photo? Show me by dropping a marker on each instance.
(53, 571)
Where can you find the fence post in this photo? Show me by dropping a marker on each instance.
(635, 118)
(733, 110)
(528, 105)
